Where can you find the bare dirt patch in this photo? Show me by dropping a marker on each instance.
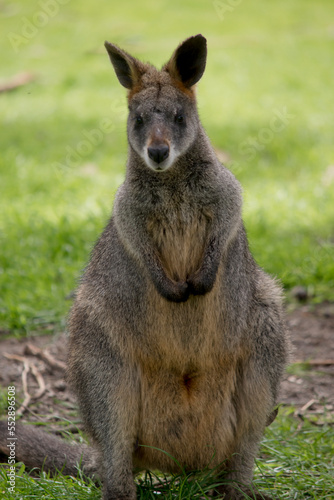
(308, 386)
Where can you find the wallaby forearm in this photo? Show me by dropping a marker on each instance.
(169, 289)
(143, 248)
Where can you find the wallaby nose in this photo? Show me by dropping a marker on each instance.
(158, 153)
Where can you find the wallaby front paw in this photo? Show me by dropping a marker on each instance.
(176, 292)
(199, 285)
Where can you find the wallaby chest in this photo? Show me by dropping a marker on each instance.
(179, 234)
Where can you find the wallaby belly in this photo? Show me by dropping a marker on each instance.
(187, 382)
(185, 417)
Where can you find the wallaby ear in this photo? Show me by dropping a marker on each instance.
(187, 64)
(127, 68)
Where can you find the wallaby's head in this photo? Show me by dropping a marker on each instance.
(163, 121)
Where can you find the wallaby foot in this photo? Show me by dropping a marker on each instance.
(237, 493)
(109, 493)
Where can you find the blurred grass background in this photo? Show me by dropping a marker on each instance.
(266, 101)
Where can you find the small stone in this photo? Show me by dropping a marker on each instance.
(300, 293)
(60, 385)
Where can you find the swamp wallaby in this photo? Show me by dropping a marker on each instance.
(177, 338)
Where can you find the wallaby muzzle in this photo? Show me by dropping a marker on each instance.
(158, 152)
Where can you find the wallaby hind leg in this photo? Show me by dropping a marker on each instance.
(240, 471)
(254, 401)
(231, 493)
(107, 393)
(239, 477)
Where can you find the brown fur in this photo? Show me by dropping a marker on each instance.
(177, 339)
(173, 237)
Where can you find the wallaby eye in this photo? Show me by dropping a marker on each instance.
(179, 118)
(139, 120)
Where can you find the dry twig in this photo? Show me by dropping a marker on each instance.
(24, 375)
(317, 362)
(40, 381)
(27, 366)
(307, 406)
(16, 81)
(45, 356)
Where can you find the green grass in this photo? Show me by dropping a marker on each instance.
(296, 463)
(265, 100)
(42, 486)
(297, 459)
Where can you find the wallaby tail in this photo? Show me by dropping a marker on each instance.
(37, 449)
